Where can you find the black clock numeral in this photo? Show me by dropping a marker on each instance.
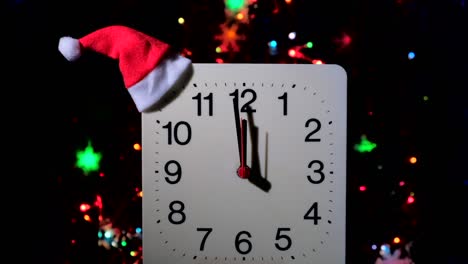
(208, 231)
(318, 171)
(176, 211)
(314, 211)
(199, 98)
(245, 107)
(177, 173)
(315, 130)
(243, 241)
(185, 141)
(284, 237)
(284, 97)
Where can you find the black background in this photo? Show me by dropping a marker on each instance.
(42, 92)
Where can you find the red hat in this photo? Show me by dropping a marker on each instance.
(149, 70)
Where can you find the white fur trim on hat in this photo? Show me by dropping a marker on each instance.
(158, 82)
(70, 48)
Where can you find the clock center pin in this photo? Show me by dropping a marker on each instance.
(243, 172)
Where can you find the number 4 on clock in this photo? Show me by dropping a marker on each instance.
(312, 214)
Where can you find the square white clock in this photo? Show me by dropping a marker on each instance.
(247, 164)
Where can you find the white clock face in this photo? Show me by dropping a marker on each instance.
(291, 208)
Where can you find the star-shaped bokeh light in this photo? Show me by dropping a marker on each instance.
(87, 159)
(229, 38)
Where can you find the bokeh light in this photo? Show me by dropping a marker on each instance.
(84, 207)
(292, 35)
(137, 146)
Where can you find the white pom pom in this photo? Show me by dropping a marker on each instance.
(70, 48)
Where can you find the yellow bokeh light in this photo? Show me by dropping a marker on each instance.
(181, 20)
(240, 16)
(396, 240)
(87, 218)
(137, 146)
(413, 160)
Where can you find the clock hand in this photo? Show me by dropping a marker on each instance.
(243, 141)
(256, 177)
(235, 103)
(244, 170)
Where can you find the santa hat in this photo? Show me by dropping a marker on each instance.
(148, 66)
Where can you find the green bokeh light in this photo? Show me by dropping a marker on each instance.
(87, 159)
(365, 145)
(235, 5)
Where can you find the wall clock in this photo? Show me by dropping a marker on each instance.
(247, 164)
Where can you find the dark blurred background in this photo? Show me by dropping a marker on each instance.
(407, 92)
